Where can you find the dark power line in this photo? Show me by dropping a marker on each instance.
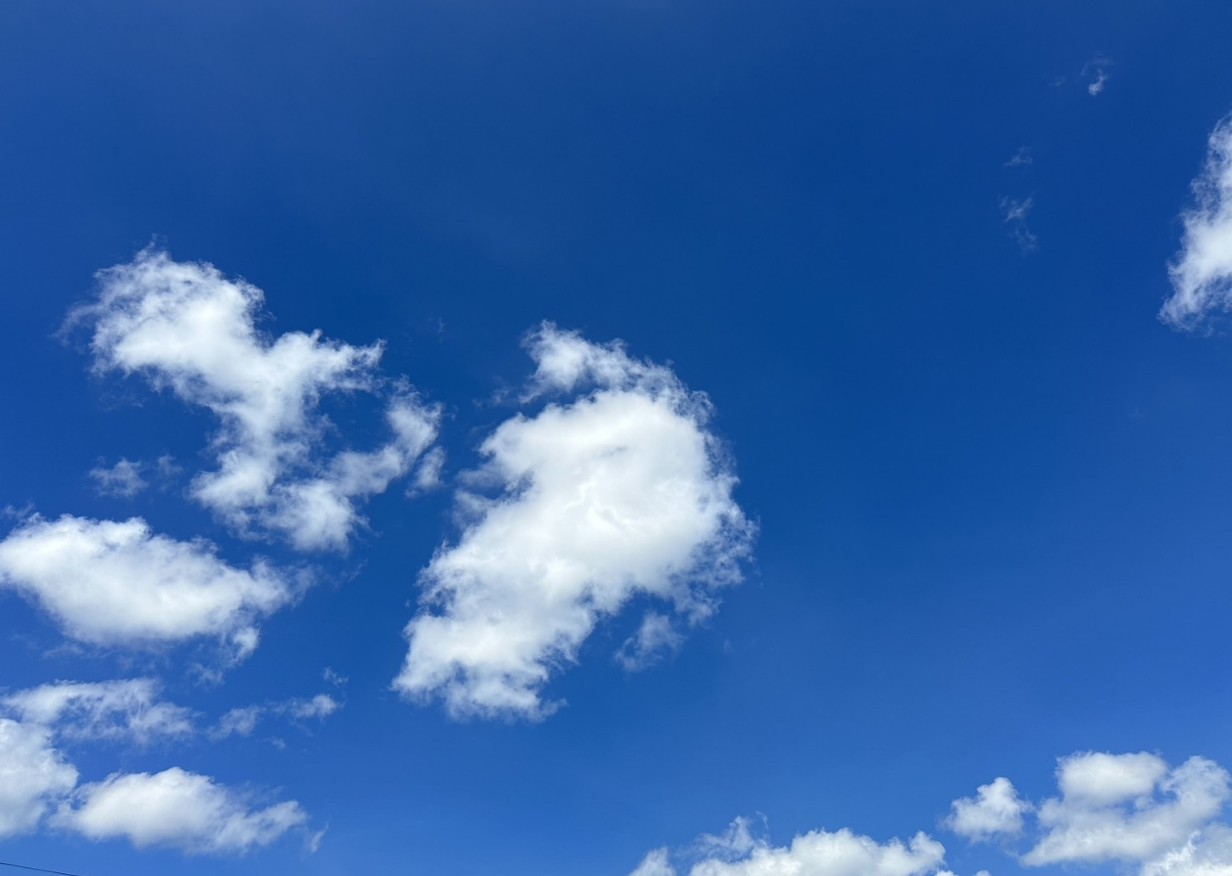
(36, 869)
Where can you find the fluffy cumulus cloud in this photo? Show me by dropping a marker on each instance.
(124, 709)
(614, 490)
(189, 330)
(116, 582)
(178, 809)
(1201, 273)
(995, 811)
(33, 775)
(816, 853)
(1129, 809)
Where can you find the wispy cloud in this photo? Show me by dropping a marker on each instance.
(122, 479)
(126, 709)
(1201, 273)
(1021, 158)
(1014, 214)
(617, 490)
(1095, 75)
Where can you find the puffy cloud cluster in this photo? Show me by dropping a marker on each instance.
(1201, 273)
(176, 808)
(617, 491)
(117, 583)
(816, 853)
(189, 330)
(1129, 808)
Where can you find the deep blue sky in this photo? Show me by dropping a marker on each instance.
(992, 489)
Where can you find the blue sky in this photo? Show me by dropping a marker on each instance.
(630, 437)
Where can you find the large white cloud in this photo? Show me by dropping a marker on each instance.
(33, 776)
(617, 491)
(175, 808)
(116, 582)
(123, 709)
(1128, 807)
(188, 329)
(1132, 809)
(816, 853)
(1202, 271)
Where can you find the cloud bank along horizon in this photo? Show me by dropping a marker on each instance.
(608, 486)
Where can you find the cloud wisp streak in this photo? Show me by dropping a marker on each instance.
(616, 489)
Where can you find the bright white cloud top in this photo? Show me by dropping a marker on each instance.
(616, 492)
(187, 329)
(117, 583)
(32, 776)
(179, 809)
(1202, 271)
(816, 853)
(1131, 809)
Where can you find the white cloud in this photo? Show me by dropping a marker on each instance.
(189, 330)
(126, 709)
(1127, 807)
(1014, 213)
(654, 639)
(33, 776)
(816, 853)
(108, 582)
(178, 809)
(995, 811)
(243, 721)
(1021, 158)
(1201, 273)
(122, 479)
(618, 491)
(1206, 853)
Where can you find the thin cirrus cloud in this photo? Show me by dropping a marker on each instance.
(816, 853)
(242, 721)
(1132, 809)
(187, 329)
(616, 491)
(122, 479)
(118, 583)
(126, 709)
(1201, 272)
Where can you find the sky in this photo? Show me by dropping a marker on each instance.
(629, 438)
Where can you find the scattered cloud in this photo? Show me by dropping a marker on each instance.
(122, 479)
(33, 776)
(816, 853)
(1095, 75)
(1021, 158)
(1014, 213)
(117, 583)
(187, 329)
(125, 709)
(178, 809)
(655, 639)
(1201, 273)
(614, 491)
(995, 811)
(243, 721)
(1131, 809)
